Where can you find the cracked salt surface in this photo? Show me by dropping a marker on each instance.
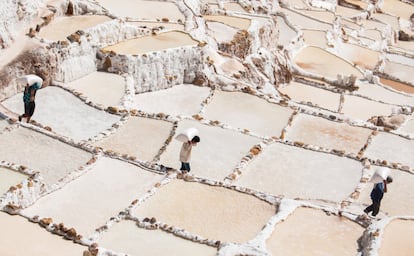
(286, 150)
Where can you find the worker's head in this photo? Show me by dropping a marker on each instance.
(195, 140)
(389, 179)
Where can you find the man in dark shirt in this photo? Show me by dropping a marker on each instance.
(377, 194)
(29, 100)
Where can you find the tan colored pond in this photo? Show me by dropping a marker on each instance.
(305, 93)
(398, 8)
(305, 22)
(162, 41)
(314, 232)
(18, 236)
(293, 172)
(217, 154)
(221, 32)
(9, 178)
(320, 15)
(240, 23)
(139, 137)
(103, 88)
(61, 27)
(399, 199)
(363, 109)
(315, 38)
(110, 187)
(208, 211)
(235, 7)
(147, 242)
(244, 111)
(346, 12)
(361, 56)
(183, 99)
(376, 92)
(318, 61)
(397, 238)
(147, 10)
(398, 85)
(328, 134)
(14, 149)
(391, 147)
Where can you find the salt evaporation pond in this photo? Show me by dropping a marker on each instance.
(62, 27)
(9, 178)
(172, 39)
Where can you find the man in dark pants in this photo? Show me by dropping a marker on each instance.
(29, 100)
(377, 194)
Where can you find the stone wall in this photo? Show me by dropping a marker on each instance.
(156, 70)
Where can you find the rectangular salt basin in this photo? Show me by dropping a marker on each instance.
(18, 146)
(18, 236)
(208, 211)
(392, 148)
(139, 137)
(295, 173)
(92, 199)
(217, 154)
(245, 111)
(321, 132)
(314, 232)
(150, 242)
(363, 109)
(397, 238)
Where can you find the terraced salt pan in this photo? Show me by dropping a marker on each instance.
(235, 7)
(376, 92)
(318, 61)
(400, 71)
(139, 137)
(399, 199)
(305, 93)
(236, 22)
(373, 34)
(328, 134)
(61, 27)
(145, 44)
(392, 148)
(65, 113)
(89, 201)
(211, 212)
(221, 32)
(361, 56)
(18, 236)
(217, 154)
(304, 22)
(316, 233)
(397, 238)
(245, 111)
(398, 85)
(103, 88)
(315, 38)
(286, 33)
(184, 99)
(150, 242)
(363, 109)
(346, 12)
(146, 10)
(41, 153)
(9, 178)
(398, 8)
(293, 172)
(321, 15)
(406, 46)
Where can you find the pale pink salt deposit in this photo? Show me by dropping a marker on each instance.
(211, 212)
(397, 238)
